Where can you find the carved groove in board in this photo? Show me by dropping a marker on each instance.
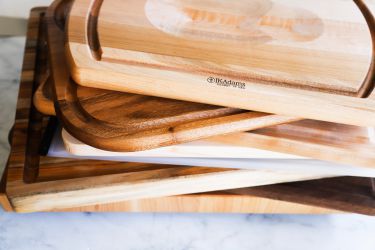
(127, 122)
(92, 30)
(363, 91)
(369, 82)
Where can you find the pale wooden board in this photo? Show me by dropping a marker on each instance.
(207, 203)
(213, 147)
(120, 121)
(145, 184)
(143, 59)
(189, 155)
(342, 144)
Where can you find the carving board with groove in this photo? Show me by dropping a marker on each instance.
(128, 122)
(310, 59)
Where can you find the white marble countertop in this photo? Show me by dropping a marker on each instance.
(185, 231)
(157, 231)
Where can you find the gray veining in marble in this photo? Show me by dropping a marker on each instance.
(10, 70)
(185, 231)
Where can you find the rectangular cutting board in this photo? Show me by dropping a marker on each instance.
(310, 59)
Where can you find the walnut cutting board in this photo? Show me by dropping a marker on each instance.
(284, 57)
(121, 121)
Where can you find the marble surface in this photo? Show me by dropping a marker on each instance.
(185, 231)
(157, 231)
(10, 69)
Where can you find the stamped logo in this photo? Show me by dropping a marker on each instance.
(226, 83)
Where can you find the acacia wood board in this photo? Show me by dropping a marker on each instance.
(43, 97)
(121, 121)
(78, 178)
(209, 147)
(333, 142)
(282, 57)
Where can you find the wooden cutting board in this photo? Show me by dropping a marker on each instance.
(120, 121)
(299, 58)
(343, 144)
(313, 139)
(72, 185)
(338, 143)
(43, 97)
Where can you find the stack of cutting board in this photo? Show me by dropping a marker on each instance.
(158, 102)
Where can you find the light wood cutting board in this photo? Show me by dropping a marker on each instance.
(336, 143)
(299, 58)
(121, 121)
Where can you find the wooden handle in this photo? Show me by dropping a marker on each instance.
(369, 82)
(42, 98)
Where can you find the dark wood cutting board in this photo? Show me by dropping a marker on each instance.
(121, 121)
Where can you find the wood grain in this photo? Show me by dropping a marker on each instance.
(206, 203)
(321, 140)
(127, 122)
(61, 171)
(58, 187)
(311, 193)
(43, 100)
(336, 143)
(305, 75)
(314, 139)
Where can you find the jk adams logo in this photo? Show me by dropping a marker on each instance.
(226, 83)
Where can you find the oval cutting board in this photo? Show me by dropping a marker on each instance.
(121, 121)
(299, 58)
